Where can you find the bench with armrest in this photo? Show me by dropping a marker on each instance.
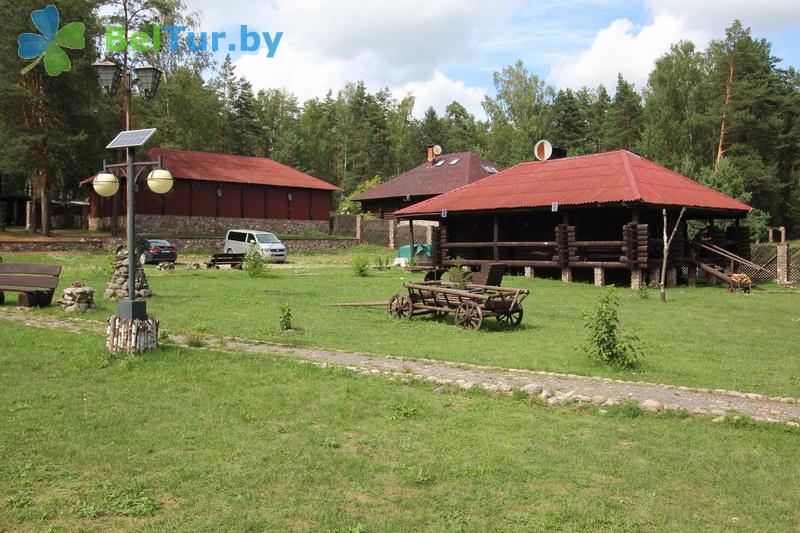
(34, 283)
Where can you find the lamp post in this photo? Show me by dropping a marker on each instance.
(106, 184)
(123, 334)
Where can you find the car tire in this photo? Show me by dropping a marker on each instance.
(229, 251)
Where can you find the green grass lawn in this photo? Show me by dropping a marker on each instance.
(702, 337)
(197, 440)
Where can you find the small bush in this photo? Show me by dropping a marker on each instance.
(254, 263)
(412, 262)
(607, 342)
(361, 266)
(381, 262)
(195, 340)
(111, 258)
(644, 292)
(458, 274)
(285, 318)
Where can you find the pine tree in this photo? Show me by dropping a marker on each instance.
(624, 121)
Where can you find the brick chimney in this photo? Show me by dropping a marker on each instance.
(430, 155)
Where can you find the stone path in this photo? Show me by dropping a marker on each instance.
(553, 387)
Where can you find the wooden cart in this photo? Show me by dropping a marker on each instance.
(470, 306)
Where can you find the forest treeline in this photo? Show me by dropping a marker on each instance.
(727, 116)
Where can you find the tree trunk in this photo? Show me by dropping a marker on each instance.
(662, 286)
(728, 97)
(45, 205)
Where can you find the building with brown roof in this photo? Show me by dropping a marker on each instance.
(586, 215)
(439, 174)
(215, 192)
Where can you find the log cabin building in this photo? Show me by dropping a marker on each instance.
(439, 174)
(215, 192)
(595, 217)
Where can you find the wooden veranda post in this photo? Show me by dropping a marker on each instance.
(667, 242)
(495, 238)
(411, 231)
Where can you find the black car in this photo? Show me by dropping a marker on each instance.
(156, 251)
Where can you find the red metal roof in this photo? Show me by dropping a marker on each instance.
(426, 180)
(609, 177)
(207, 166)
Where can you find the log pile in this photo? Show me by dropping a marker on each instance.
(77, 299)
(117, 288)
(131, 336)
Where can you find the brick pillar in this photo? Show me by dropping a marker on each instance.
(393, 233)
(529, 272)
(359, 218)
(692, 276)
(782, 265)
(566, 274)
(672, 277)
(599, 276)
(637, 275)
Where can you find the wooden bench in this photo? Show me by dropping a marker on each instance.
(34, 283)
(234, 260)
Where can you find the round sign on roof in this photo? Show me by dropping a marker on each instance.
(543, 150)
(437, 149)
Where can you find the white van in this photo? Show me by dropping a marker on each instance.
(238, 241)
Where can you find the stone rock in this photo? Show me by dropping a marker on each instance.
(610, 402)
(532, 389)
(553, 400)
(546, 394)
(651, 405)
(117, 288)
(598, 399)
(438, 390)
(467, 385)
(793, 424)
(77, 299)
(718, 419)
(193, 266)
(166, 266)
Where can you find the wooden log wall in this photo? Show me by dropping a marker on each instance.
(567, 250)
(635, 247)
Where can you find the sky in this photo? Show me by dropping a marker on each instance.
(445, 50)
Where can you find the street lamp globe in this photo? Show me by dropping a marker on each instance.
(148, 78)
(105, 184)
(109, 76)
(160, 181)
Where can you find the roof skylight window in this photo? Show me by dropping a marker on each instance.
(454, 161)
(439, 163)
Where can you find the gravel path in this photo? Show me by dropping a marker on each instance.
(551, 386)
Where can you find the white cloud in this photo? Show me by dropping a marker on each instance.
(625, 47)
(622, 47)
(713, 16)
(405, 46)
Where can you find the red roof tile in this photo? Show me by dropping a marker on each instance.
(426, 180)
(207, 166)
(608, 177)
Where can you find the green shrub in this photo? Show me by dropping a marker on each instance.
(644, 292)
(111, 259)
(361, 266)
(254, 263)
(412, 261)
(285, 318)
(458, 274)
(607, 342)
(381, 262)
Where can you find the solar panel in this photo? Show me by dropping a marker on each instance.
(129, 139)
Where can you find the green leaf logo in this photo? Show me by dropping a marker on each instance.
(49, 45)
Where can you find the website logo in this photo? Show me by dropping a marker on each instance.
(50, 43)
(171, 37)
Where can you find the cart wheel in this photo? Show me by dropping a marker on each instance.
(401, 307)
(512, 319)
(469, 316)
